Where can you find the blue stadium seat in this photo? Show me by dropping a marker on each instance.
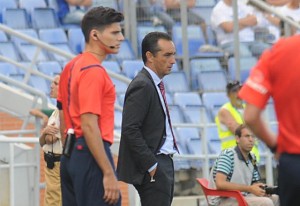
(30, 5)
(176, 82)
(16, 18)
(118, 119)
(212, 81)
(75, 39)
(28, 50)
(215, 146)
(7, 4)
(58, 38)
(169, 97)
(195, 39)
(181, 164)
(212, 133)
(120, 86)
(186, 98)
(9, 50)
(197, 114)
(246, 64)
(143, 30)
(53, 36)
(198, 65)
(194, 144)
(184, 134)
(132, 67)
(39, 83)
(106, 3)
(213, 99)
(125, 53)
(121, 97)
(3, 37)
(176, 114)
(50, 68)
(112, 66)
(44, 18)
(7, 69)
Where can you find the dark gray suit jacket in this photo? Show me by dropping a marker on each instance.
(143, 129)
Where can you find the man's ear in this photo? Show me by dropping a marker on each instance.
(237, 139)
(149, 56)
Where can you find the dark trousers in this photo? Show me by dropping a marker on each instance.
(160, 192)
(81, 177)
(289, 180)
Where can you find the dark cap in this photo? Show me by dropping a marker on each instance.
(233, 86)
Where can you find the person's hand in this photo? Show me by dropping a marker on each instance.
(111, 188)
(152, 173)
(251, 20)
(257, 189)
(45, 121)
(49, 132)
(50, 139)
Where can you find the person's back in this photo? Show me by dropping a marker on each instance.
(276, 75)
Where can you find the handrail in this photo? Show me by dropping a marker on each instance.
(263, 5)
(51, 48)
(26, 87)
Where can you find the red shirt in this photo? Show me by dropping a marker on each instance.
(277, 74)
(85, 87)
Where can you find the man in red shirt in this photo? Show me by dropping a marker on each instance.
(277, 75)
(87, 97)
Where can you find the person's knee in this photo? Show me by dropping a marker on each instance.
(266, 201)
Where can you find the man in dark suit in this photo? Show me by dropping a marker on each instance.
(147, 141)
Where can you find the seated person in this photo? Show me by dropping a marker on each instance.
(223, 24)
(236, 169)
(71, 11)
(230, 116)
(155, 9)
(173, 8)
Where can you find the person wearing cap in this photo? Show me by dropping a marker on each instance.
(230, 116)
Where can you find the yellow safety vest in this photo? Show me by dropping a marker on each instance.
(226, 136)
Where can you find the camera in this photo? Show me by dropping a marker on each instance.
(49, 158)
(270, 190)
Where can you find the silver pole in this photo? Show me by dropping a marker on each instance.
(11, 175)
(236, 40)
(185, 47)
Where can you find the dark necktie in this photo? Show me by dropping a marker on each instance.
(163, 92)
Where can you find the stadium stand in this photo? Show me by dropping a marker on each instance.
(246, 63)
(50, 68)
(27, 50)
(57, 37)
(75, 38)
(193, 99)
(16, 18)
(44, 18)
(207, 81)
(132, 67)
(5, 4)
